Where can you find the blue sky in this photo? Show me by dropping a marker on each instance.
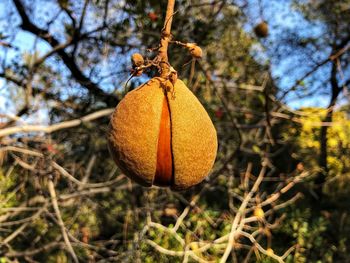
(281, 16)
(27, 43)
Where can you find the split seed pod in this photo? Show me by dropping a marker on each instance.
(262, 29)
(160, 134)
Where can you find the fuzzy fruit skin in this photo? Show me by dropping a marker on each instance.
(194, 139)
(134, 130)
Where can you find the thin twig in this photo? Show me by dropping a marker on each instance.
(60, 221)
(57, 126)
(240, 214)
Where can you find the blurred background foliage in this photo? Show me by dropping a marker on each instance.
(281, 99)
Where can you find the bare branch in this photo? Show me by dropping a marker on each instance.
(57, 126)
(60, 221)
(68, 60)
(240, 214)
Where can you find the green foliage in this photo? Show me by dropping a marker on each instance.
(307, 141)
(7, 197)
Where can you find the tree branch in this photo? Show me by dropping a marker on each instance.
(57, 126)
(166, 32)
(60, 221)
(235, 227)
(166, 37)
(68, 60)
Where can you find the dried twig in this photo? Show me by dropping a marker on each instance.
(60, 221)
(57, 126)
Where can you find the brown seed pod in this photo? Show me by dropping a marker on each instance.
(137, 60)
(262, 29)
(161, 139)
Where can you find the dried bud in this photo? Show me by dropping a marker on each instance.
(269, 252)
(259, 213)
(195, 50)
(153, 16)
(85, 233)
(170, 211)
(219, 113)
(300, 167)
(261, 30)
(137, 60)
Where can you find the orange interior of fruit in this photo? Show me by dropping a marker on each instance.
(164, 170)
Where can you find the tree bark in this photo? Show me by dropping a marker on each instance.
(335, 91)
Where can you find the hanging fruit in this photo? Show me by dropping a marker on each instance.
(160, 134)
(262, 29)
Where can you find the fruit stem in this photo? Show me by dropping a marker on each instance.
(165, 38)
